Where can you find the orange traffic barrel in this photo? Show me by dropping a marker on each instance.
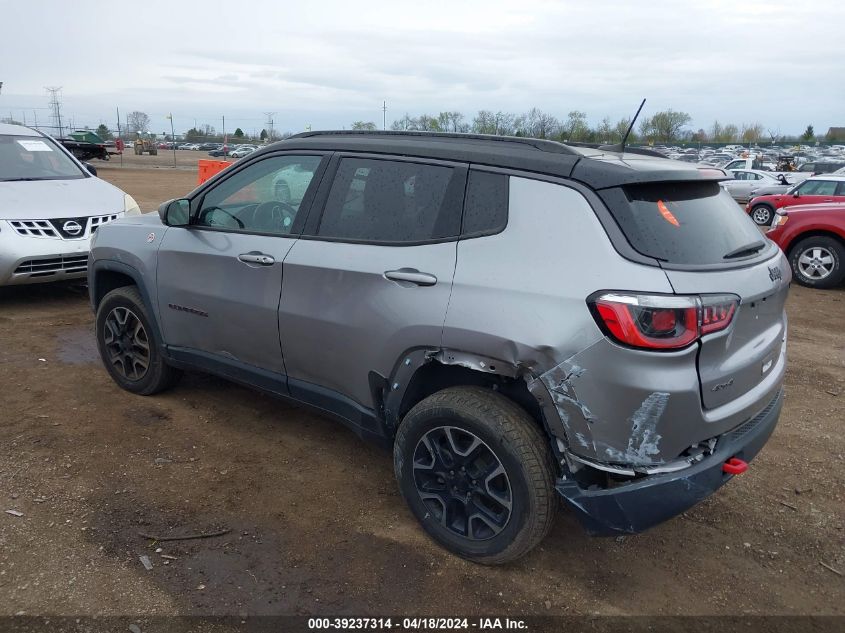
(207, 168)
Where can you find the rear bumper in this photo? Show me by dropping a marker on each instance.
(643, 503)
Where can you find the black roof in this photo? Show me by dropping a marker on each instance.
(597, 167)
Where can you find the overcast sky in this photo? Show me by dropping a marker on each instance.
(327, 63)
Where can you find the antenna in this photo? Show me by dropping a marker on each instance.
(620, 147)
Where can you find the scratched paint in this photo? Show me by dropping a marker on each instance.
(558, 381)
(644, 441)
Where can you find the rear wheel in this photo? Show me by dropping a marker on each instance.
(762, 214)
(129, 346)
(817, 262)
(477, 473)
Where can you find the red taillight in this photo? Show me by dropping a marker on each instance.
(662, 321)
(716, 314)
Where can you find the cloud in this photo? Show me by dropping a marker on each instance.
(333, 62)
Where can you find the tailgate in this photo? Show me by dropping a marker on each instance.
(734, 361)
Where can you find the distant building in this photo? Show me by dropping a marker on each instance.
(836, 134)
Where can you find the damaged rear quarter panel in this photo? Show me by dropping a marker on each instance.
(531, 313)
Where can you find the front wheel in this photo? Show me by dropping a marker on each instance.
(129, 346)
(762, 215)
(817, 262)
(477, 473)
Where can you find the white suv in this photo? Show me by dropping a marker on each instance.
(50, 206)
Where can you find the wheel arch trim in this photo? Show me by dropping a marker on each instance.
(108, 265)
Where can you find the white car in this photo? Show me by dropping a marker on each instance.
(747, 180)
(50, 206)
(242, 151)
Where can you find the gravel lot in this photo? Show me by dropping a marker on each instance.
(316, 523)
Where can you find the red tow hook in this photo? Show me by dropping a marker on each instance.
(734, 466)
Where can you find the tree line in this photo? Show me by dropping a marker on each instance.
(667, 126)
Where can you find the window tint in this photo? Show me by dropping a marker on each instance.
(840, 189)
(392, 201)
(486, 204)
(263, 198)
(681, 222)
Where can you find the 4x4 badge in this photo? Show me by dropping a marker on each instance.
(774, 273)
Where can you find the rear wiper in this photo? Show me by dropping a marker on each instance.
(748, 249)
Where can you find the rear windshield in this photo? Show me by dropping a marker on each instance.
(34, 158)
(684, 222)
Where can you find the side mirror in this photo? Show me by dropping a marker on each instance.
(175, 212)
(796, 194)
(91, 169)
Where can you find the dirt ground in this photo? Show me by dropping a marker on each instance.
(316, 523)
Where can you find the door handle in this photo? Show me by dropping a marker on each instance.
(411, 275)
(257, 258)
(828, 200)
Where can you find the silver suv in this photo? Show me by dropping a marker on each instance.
(514, 318)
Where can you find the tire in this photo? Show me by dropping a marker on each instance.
(762, 214)
(469, 428)
(124, 357)
(817, 262)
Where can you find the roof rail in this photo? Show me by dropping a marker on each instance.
(540, 144)
(615, 148)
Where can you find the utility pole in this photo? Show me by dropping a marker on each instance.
(270, 116)
(117, 109)
(172, 137)
(384, 115)
(56, 107)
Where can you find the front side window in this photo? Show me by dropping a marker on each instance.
(266, 197)
(392, 201)
(35, 158)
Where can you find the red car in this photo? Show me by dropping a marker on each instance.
(813, 238)
(826, 188)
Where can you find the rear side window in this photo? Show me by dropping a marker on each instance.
(486, 204)
(682, 222)
(392, 201)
